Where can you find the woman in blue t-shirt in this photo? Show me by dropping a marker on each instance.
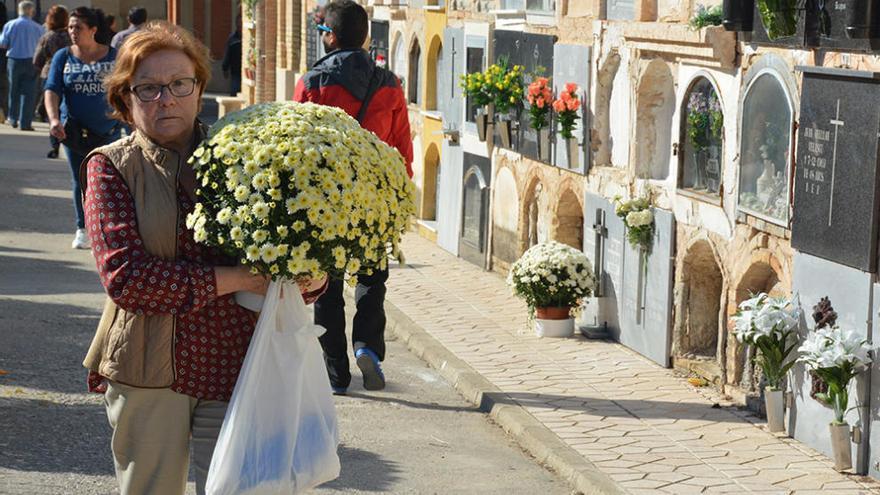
(76, 100)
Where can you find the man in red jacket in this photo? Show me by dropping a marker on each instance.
(348, 79)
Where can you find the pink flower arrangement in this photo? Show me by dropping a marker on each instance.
(566, 107)
(540, 97)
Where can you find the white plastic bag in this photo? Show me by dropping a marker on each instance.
(279, 435)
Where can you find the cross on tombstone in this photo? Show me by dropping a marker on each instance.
(601, 233)
(453, 53)
(837, 123)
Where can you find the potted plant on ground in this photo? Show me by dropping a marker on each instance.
(504, 84)
(552, 278)
(566, 107)
(475, 87)
(837, 355)
(769, 325)
(540, 97)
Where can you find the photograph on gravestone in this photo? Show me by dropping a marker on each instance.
(536, 56)
(507, 46)
(379, 41)
(475, 209)
(836, 179)
(573, 66)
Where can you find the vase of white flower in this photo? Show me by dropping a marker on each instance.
(841, 446)
(775, 409)
(837, 356)
(769, 324)
(552, 278)
(638, 219)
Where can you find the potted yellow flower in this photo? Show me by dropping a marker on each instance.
(476, 87)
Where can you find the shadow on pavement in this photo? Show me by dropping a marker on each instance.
(40, 436)
(627, 408)
(45, 277)
(364, 471)
(43, 345)
(413, 405)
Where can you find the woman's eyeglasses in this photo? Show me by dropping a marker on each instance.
(151, 92)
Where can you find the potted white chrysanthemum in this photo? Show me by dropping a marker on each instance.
(769, 324)
(552, 278)
(837, 356)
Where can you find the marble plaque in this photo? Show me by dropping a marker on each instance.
(449, 197)
(620, 10)
(450, 93)
(636, 296)
(476, 176)
(573, 66)
(836, 194)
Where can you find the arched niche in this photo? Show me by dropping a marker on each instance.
(698, 329)
(655, 110)
(414, 63)
(537, 214)
(766, 129)
(701, 154)
(432, 72)
(604, 87)
(505, 217)
(430, 181)
(398, 57)
(570, 220)
(760, 277)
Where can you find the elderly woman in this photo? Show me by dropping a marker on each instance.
(171, 340)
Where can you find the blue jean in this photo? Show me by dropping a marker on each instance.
(22, 91)
(74, 160)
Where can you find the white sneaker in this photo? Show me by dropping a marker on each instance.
(80, 240)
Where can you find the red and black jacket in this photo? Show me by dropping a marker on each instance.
(341, 78)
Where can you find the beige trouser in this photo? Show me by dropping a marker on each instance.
(151, 438)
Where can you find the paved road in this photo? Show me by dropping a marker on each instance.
(418, 436)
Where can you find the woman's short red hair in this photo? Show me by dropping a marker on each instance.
(154, 37)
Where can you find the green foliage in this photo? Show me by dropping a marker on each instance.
(706, 16)
(780, 17)
(774, 350)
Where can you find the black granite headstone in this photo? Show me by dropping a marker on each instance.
(507, 46)
(537, 58)
(833, 18)
(836, 194)
(379, 39)
(474, 63)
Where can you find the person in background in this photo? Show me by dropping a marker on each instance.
(168, 362)
(111, 25)
(347, 78)
(76, 100)
(232, 59)
(137, 18)
(20, 38)
(4, 81)
(56, 38)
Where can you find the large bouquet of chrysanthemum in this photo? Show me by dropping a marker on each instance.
(300, 190)
(551, 274)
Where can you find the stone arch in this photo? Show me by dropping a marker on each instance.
(432, 72)
(759, 277)
(535, 213)
(700, 296)
(604, 87)
(569, 220)
(701, 170)
(397, 62)
(505, 216)
(413, 72)
(430, 182)
(654, 114)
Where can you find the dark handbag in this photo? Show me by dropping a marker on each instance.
(81, 140)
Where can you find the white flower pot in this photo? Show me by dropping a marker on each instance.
(775, 405)
(554, 328)
(841, 446)
(249, 300)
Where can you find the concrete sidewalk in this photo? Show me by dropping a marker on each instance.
(605, 418)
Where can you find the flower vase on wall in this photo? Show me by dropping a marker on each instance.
(841, 446)
(504, 131)
(482, 119)
(573, 152)
(544, 144)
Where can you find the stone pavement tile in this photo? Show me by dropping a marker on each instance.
(645, 483)
(627, 476)
(668, 477)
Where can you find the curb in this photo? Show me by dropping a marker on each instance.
(532, 436)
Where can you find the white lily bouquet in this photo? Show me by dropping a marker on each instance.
(769, 324)
(638, 219)
(298, 189)
(551, 274)
(836, 355)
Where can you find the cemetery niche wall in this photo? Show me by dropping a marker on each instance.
(836, 196)
(535, 53)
